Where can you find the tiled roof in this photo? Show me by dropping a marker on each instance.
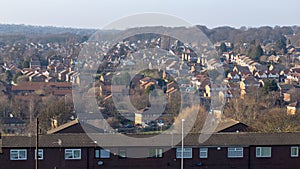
(295, 104)
(286, 86)
(62, 92)
(32, 86)
(251, 80)
(114, 140)
(293, 91)
(64, 126)
(12, 120)
(226, 123)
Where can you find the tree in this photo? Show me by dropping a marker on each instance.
(255, 51)
(60, 109)
(149, 89)
(16, 76)
(281, 45)
(275, 120)
(25, 64)
(22, 78)
(8, 76)
(269, 86)
(273, 86)
(223, 47)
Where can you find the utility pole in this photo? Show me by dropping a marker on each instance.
(37, 145)
(182, 147)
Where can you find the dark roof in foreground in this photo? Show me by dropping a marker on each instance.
(115, 140)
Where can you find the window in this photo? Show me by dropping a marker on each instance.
(263, 151)
(40, 154)
(294, 152)
(101, 153)
(104, 153)
(156, 152)
(97, 153)
(187, 153)
(122, 153)
(18, 154)
(72, 154)
(203, 152)
(235, 152)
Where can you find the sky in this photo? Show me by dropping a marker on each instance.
(99, 13)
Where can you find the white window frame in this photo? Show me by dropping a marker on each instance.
(104, 153)
(297, 151)
(40, 154)
(155, 153)
(187, 152)
(235, 152)
(203, 152)
(259, 152)
(17, 152)
(72, 153)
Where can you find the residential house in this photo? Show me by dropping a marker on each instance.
(283, 75)
(293, 108)
(196, 82)
(234, 76)
(216, 90)
(249, 81)
(242, 70)
(50, 79)
(62, 75)
(219, 151)
(146, 82)
(261, 75)
(74, 78)
(75, 126)
(172, 87)
(35, 64)
(107, 78)
(293, 76)
(213, 64)
(273, 59)
(292, 95)
(106, 90)
(38, 78)
(230, 125)
(274, 74)
(24, 88)
(283, 88)
(13, 125)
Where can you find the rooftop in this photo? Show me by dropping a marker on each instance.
(114, 140)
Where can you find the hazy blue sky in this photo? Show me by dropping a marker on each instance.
(98, 13)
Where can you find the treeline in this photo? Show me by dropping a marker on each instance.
(262, 35)
(11, 29)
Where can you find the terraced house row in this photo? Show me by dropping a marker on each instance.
(221, 151)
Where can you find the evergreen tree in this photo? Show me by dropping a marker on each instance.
(281, 45)
(255, 51)
(223, 47)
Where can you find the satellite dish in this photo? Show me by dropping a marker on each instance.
(100, 163)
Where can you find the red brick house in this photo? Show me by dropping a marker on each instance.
(220, 151)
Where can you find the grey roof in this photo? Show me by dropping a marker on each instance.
(64, 126)
(217, 139)
(12, 120)
(226, 123)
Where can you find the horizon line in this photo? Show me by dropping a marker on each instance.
(94, 28)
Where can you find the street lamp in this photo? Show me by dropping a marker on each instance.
(182, 121)
(37, 145)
